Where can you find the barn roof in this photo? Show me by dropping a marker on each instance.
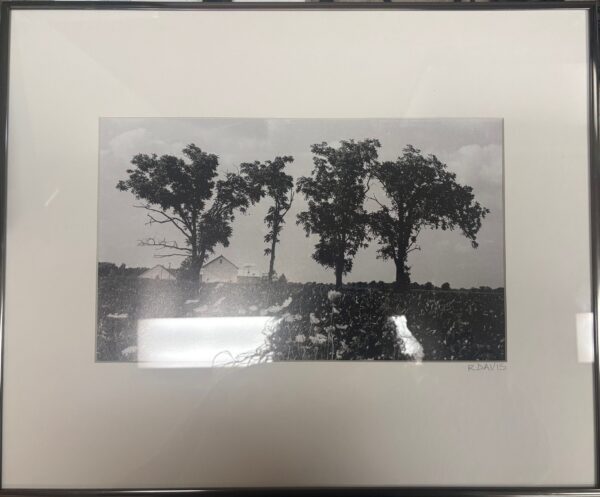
(161, 266)
(220, 257)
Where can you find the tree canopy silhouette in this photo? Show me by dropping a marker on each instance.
(186, 194)
(335, 193)
(270, 179)
(421, 193)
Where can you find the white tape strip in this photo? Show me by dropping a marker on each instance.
(585, 337)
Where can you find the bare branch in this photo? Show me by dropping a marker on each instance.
(158, 211)
(153, 220)
(185, 218)
(174, 220)
(374, 198)
(412, 246)
(164, 244)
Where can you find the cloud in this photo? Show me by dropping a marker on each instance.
(127, 143)
(479, 164)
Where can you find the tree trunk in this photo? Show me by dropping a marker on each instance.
(194, 275)
(272, 261)
(197, 263)
(339, 272)
(402, 270)
(402, 275)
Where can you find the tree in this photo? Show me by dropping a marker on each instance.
(187, 195)
(336, 192)
(269, 178)
(421, 193)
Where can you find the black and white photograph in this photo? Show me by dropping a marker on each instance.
(226, 241)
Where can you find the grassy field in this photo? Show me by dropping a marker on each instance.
(313, 322)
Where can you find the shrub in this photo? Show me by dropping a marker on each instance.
(321, 323)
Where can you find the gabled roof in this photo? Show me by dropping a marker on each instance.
(161, 266)
(220, 257)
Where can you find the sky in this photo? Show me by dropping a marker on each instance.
(472, 148)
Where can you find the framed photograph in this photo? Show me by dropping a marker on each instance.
(266, 246)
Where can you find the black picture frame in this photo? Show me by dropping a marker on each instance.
(592, 7)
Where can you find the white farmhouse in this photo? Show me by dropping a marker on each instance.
(219, 270)
(158, 272)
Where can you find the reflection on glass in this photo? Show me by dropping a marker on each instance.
(585, 336)
(200, 342)
(244, 341)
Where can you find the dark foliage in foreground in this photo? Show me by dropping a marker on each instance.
(353, 324)
(322, 324)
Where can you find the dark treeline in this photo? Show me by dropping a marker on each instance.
(110, 269)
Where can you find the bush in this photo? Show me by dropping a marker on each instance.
(321, 323)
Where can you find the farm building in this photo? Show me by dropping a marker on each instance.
(248, 274)
(158, 272)
(219, 270)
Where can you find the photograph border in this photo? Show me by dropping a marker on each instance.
(590, 6)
